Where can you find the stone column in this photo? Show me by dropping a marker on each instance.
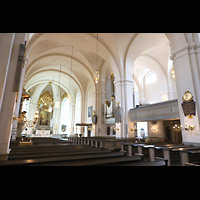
(9, 97)
(100, 97)
(124, 94)
(128, 87)
(31, 112)
(6, 45)
(72, 117)
(187, 68)
(17, 107)
(118, 98)
(56, 119)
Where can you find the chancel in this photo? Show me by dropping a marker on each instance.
(100, 99)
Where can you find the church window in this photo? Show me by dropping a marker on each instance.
(78, 112)
(151, 78)
(65, 113)
(25, 106)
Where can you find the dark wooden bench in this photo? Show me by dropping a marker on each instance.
(25, 148)
(54, 154)
(40, 141)
(148, 149)
(58, 159)
(189, 154)
(111, 161)
(171, 152)
(139, 148)
(153, 150)
(157, 162)
(87, 140)
(48, 150)
(193, 158)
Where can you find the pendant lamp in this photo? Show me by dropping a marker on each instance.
(96, 75)
(57, 103)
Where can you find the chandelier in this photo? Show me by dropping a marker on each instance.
(96, 74)
(69, 94)
(57, 103)
(173, 73)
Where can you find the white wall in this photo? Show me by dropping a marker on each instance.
(153, 91)
(156, 130)
(90, 101)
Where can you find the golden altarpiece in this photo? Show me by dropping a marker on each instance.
(45, 108)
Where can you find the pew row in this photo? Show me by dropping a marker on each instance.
(172, 152)
(189, 155)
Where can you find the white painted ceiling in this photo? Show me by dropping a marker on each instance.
(47, 51)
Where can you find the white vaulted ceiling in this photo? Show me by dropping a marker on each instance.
(117, 52)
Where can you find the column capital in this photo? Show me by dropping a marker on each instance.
(187, 49)
(123, 82)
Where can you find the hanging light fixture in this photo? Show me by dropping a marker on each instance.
(173, 73)
(69, 94)
(57, 103)
(96, 74)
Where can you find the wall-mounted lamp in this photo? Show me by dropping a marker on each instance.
(173, 73)
(133, 129)
(114, 128)
(187, 128)
(177, 128)
(153, 129)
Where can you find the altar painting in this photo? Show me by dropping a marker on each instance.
(44, 118)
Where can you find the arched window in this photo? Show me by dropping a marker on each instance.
(151, 78)
(199, 36)
(25, 106)
(78, 112)
(66, 113)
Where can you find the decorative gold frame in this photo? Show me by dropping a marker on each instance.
(45, 98)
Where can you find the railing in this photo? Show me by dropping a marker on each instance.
(158, 111)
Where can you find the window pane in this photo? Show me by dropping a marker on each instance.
(65, 113)
(78, 113)
(151, 77)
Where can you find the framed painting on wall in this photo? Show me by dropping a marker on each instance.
(90, 111)
(44, 118)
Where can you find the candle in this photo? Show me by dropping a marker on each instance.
(185, 125)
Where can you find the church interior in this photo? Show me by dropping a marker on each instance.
(84, 99)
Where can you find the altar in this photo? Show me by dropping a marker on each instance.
(43, 133)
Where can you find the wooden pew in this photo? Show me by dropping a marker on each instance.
(157, 162)
(148, 149)
(48, 150)
(194, 156)
(134, 148)
(104, 142)
(151, 152)
(55, 154)
(58, 155)
(154, 150)
(39, 141)
(58, 159)
(112, 161)
(170, 152)
(27, 148)
(188, 154)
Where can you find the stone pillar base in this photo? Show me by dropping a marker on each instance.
(4, 157)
